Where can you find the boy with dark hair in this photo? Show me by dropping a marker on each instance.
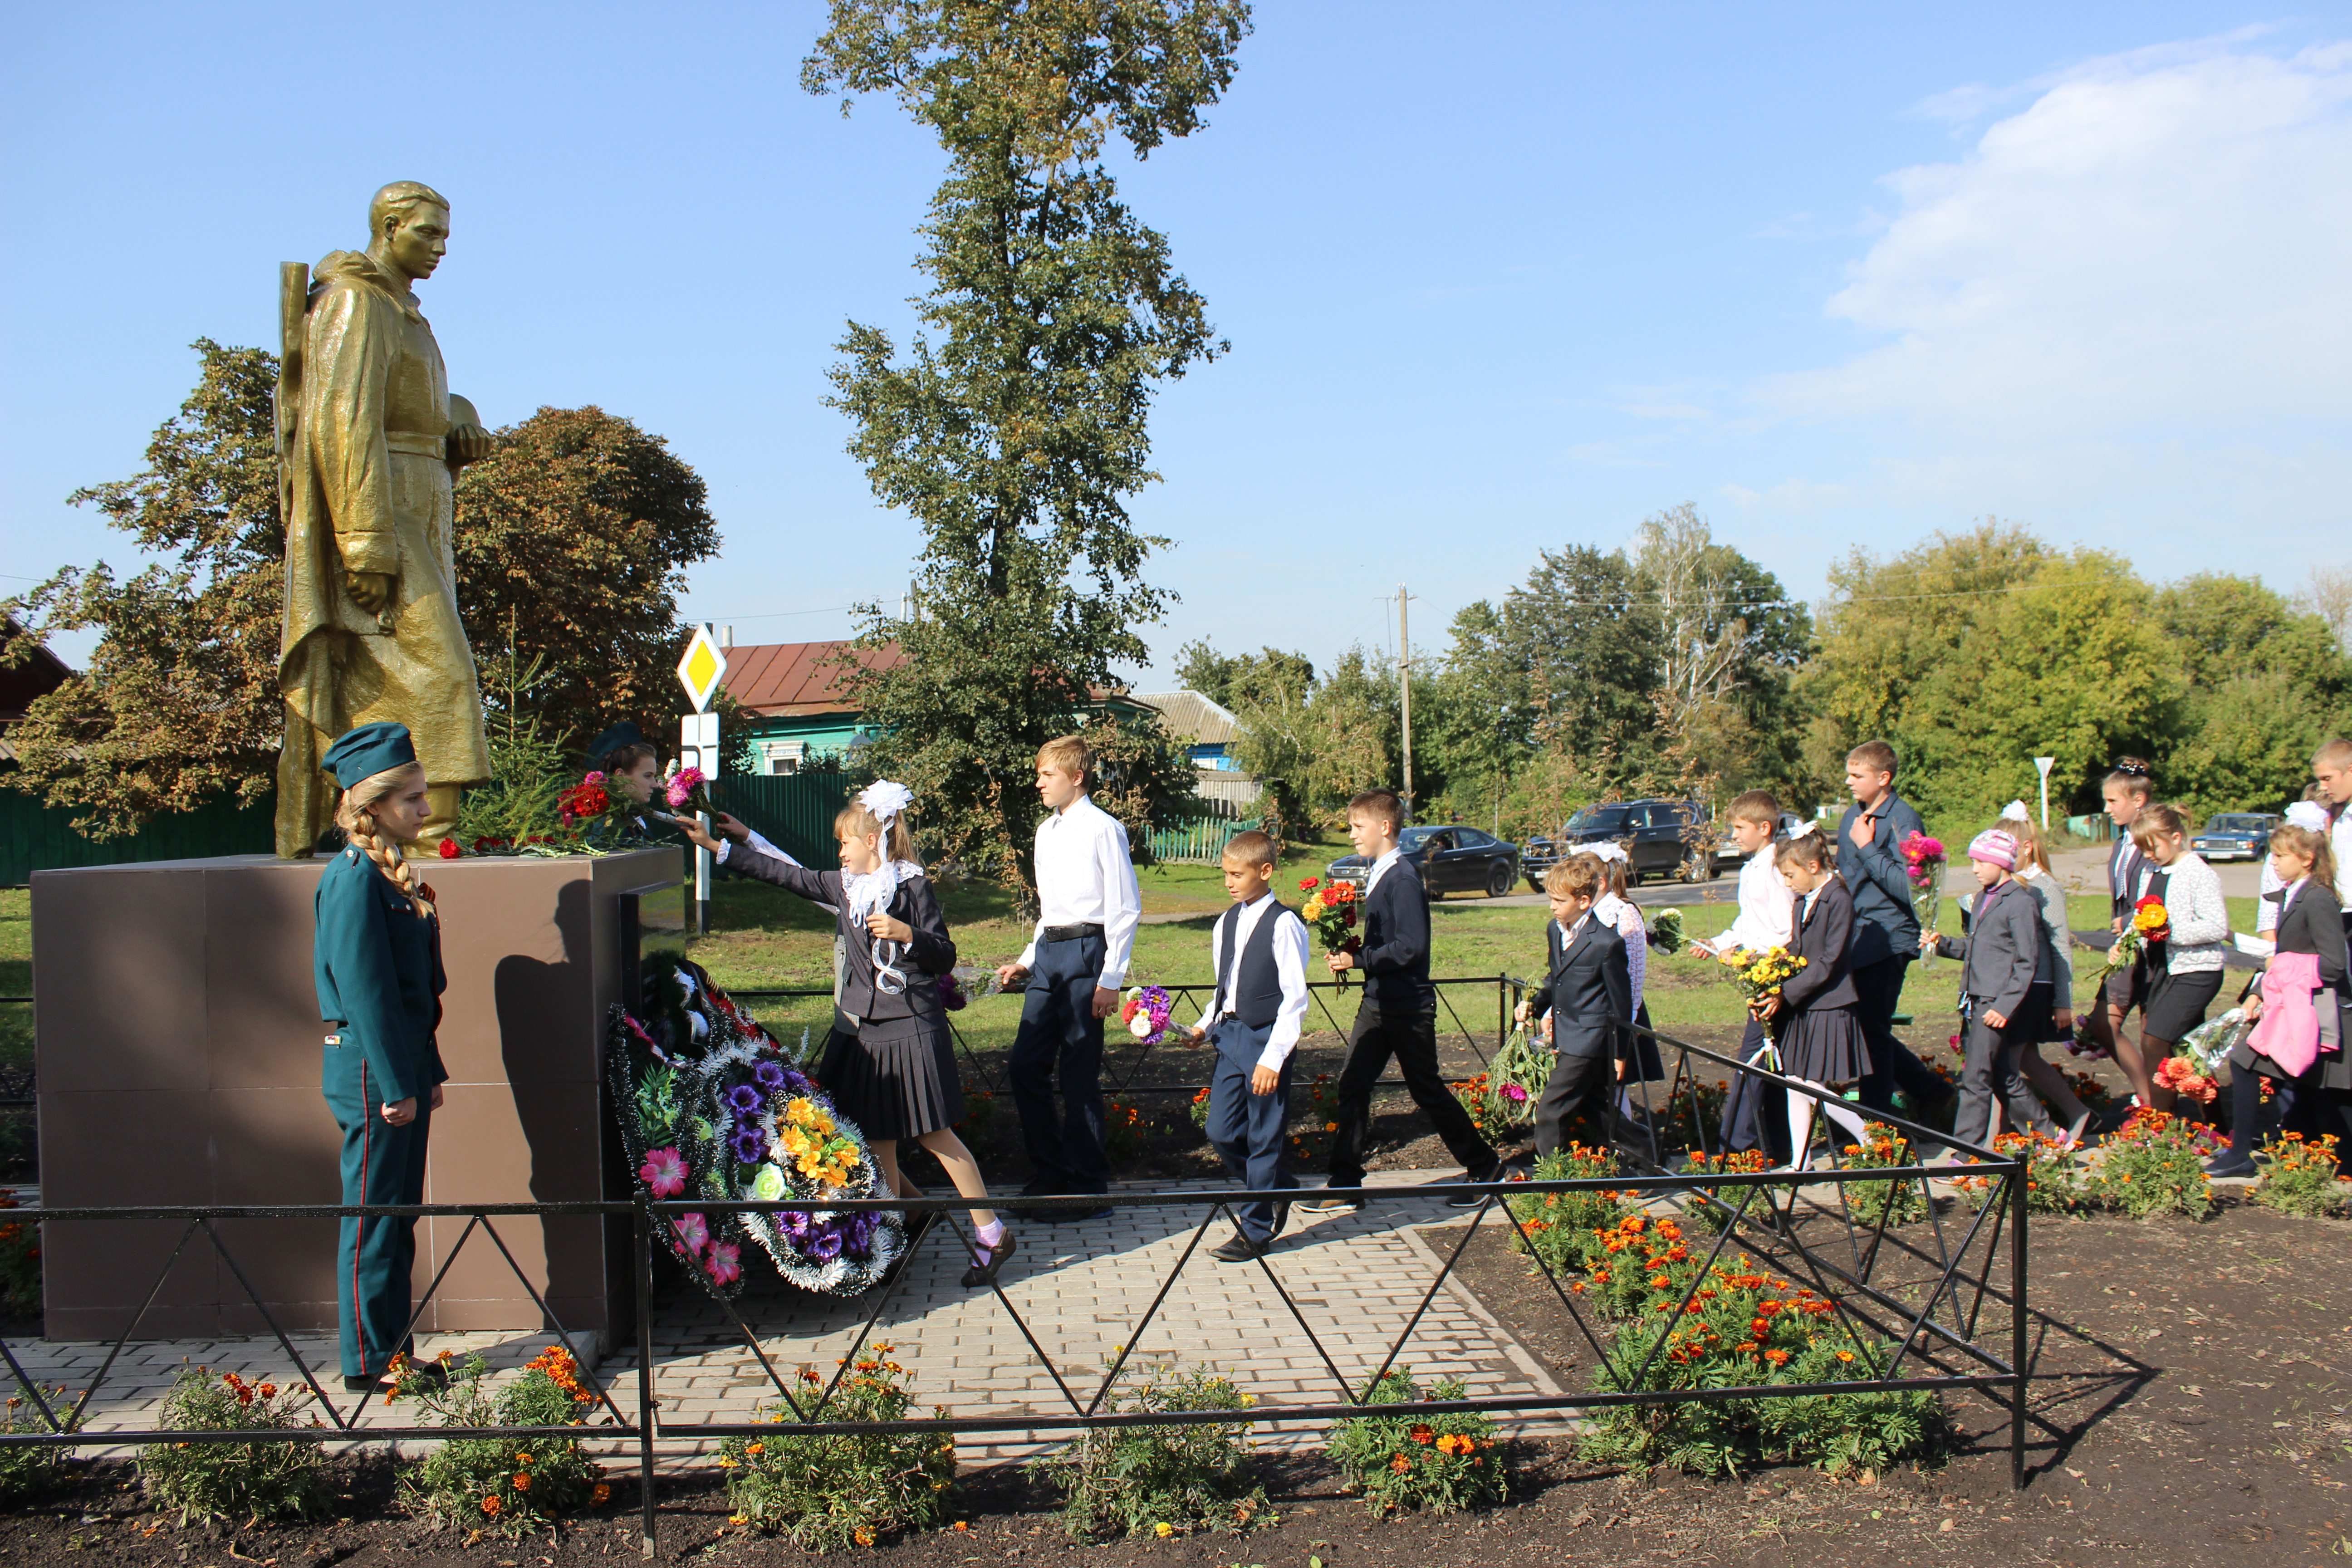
(1588, 989)
(1886, 927)
(1257, 951)
(1076, 962)
(1397, 1016)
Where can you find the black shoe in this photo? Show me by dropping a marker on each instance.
(1281, 1219)
(981, 1273)
(1472, 1200)
(1333, 1200)
(2230, 1163)
(1069, 1213)
(1237, 1248)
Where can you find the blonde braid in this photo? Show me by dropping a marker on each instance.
(356, 817)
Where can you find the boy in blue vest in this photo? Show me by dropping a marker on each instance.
(1257, 951)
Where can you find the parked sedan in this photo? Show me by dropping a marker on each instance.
(1451, 859)
(2235, 835)
(1654, 832)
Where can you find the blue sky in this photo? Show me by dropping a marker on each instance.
(1496, 277)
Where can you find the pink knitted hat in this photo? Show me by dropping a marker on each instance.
(1995, 845)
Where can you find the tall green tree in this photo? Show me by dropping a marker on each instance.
(1014, 426)
(2264, 682)
(179, 705)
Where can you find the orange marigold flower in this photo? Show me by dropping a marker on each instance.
(602, 1495)
(1777, 1357)
(490, 1506)
(1421, 1434)
(522, 1480)
(1399, 1464)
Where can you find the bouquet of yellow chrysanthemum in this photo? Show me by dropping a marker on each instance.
(1761, 972)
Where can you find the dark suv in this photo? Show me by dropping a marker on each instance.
(1658, 835)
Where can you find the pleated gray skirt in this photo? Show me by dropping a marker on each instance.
(1824, 1046)
(896, 1078)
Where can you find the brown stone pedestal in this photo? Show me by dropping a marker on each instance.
(178, 1038)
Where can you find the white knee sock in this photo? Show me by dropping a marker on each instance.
(1800, 1119)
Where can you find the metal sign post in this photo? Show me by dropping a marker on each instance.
(699, 671)
(2043, 764)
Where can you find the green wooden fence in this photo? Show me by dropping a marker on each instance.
(1196, 840)
(39, 838)
(794, 811)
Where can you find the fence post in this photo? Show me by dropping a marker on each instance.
(2017, 1253)
(643, 1261)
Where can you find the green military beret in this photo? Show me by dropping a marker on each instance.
(370, 750)
(624, 734)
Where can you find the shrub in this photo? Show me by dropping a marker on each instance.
(1124, 1125)
(20, 1260)
(1562, 1228)
(2155, 1164)
(1406, 1464)
(1161, 1480)
(510, 1485)
(2056, 1182)
(1312, 1148)
(1639, 1262)
(1494, 1111)
(826, 1493)
(1200, 1108)
(27, 1470)
(1697, 1208)
(2302, 1178)
(1748, 1328)
(234, 1483)
(1900, 1202)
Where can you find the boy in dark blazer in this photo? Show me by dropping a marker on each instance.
(1397, 1016)
(1587, 994)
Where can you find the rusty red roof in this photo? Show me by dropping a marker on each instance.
(790, 679)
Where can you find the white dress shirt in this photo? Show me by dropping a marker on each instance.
(1767, 911)
(1086, 877)
(1622, 914)
(1380, 866)
(1289, 962)
(2339, 839)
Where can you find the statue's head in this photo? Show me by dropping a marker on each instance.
(408, 227)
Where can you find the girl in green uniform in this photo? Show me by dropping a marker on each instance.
(377, 963)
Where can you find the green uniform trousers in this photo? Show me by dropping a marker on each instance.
(382, 1164)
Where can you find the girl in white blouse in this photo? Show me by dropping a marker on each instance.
(2189, 968)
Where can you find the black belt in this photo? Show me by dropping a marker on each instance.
(1072, 933)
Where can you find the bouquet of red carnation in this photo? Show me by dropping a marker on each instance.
(2182, 1076)
(584, 802)
(1331, 914)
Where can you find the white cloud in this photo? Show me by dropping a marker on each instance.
(2159, 241)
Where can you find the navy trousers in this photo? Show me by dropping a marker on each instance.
(1755, 1116)
(382, 1164)
(1879, 989)
(1061, 1041)
(1248, 1130)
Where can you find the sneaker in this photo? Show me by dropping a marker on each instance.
(984, 1266)
(1236, 1249)
(1333, 1200)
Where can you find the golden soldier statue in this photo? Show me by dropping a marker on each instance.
(369, 441)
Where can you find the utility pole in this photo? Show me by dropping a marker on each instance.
(1404, 687)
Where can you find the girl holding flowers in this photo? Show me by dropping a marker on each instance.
(888, 1063)
(1820, 1040)
(2188, 975)
(2289, 1038)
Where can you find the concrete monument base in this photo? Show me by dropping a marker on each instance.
(178, 1043)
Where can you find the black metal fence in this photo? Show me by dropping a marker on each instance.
(1924, 1297)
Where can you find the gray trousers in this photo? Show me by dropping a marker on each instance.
(1988, 1067)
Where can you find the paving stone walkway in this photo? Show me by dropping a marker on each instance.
(1081, 1288)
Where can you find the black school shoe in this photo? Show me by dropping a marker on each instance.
(1237, 1248)
(2231, 1163)
(1472, 1200)
(982, 1273)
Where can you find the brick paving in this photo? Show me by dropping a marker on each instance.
(1357, 1279)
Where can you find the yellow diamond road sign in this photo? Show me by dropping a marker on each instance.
(704, 666)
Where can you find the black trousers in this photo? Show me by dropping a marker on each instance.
(1061, 1039)
(1411, 1036)
(1755, 1116)
(1577, 1083)
(1878, 989)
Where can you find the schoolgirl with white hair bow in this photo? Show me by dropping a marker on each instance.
(890, 1063)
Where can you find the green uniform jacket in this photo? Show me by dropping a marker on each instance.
(378, 968)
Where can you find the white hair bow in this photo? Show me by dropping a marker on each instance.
(885, 800)
(2014, 809)
(1803, 828)
(1607, 850)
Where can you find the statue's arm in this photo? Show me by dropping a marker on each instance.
(344, 410)
(468, 441)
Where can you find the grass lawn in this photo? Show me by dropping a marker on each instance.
(15, 975)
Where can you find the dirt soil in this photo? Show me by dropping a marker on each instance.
(2189, 1411)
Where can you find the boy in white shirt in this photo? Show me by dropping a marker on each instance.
(1257, 951)
(1075, 961)
(2332, 766)
(1753, 1117)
